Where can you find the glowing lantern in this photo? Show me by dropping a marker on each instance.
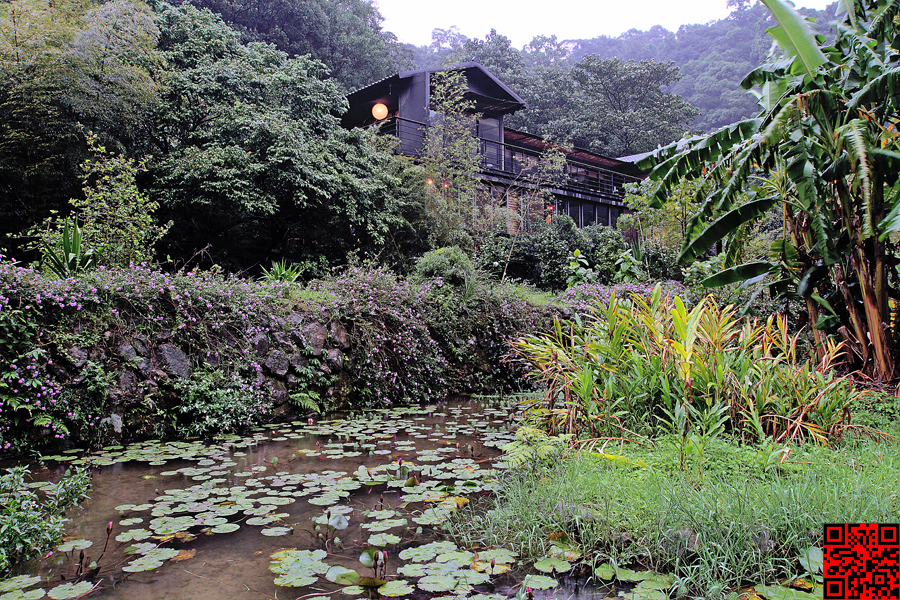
(379, 111)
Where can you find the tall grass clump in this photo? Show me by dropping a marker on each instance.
(643, 366)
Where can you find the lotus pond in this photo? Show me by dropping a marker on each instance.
(342, 508)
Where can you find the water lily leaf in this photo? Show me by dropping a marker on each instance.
(383, 539)
(298, 568)
(353, 590)
(639, 593)
(551, 564)
(657, 581)
(130, 522)
(295, 578)
(426, 552)
(23, 595)
(339, 522)
(460, 557)
(142, 564)
(483, 566)
(276, 531)
(225, 528)
(74, 545)
(605, 572)
(499, 555)
(812, 560)
(67, 591)
(439, 583)
(396, 588)
(539, 582)
(264, 520)
(19, 582)
(384, 524)
(371, 582)
(133, 535)
(342, 575)
(565, 552)
(412, 570)
(633, 576)
(184, 555)
(162, 553)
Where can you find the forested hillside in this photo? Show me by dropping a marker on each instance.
(712, 59)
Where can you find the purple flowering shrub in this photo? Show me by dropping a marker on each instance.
(417, 342)
(582, 298)
(205, 313)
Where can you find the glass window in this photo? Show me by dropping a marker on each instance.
(588, 215)
(603, 214)
(574, 211)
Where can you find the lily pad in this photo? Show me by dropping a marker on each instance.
(539, 582)
(19, 583)
(383, 539)
(812, 560)
(141, 564)
(550, 564)
(23, 595)
(74, 545)
(133, 535)
(342, 575)
(605, 572)
(225, 528)
(396, 588)
(777, 592)
(67, 591)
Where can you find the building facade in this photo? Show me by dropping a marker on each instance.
(590, 189)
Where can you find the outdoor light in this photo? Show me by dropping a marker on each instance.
(379, 111)
(429, 181)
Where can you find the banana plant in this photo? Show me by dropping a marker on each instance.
(828, 149)
(70, 257)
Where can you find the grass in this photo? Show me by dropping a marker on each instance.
(746, 523)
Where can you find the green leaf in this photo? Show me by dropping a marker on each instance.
(724, 226)
(67, 591)
(795, 37)
(812, 559)
(737, 273)
(342, 575)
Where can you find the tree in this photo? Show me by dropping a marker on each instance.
(823, 150)
(249, 154)
(345, 35)
(62, 63)
(625, 109)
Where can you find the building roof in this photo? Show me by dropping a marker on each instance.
(496, 96)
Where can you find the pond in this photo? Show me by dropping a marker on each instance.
(341, 508)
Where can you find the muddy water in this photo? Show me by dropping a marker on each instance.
(395, 475)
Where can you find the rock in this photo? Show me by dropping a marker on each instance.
(283, 341)
(260, 342)
(140, 345)
(210, 359)
(277, 363)
(127, 351)
(295, 319)
(127, 382)
(292, 382)
(278, 393)
(164, 335)
(144, 367)
(114, 421)
(335, 359)
(298, 361)
(158, 376)
(173, 361)
(340, 335)
(314, 335)
(77, 356)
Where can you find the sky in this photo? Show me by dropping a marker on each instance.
(520, 20)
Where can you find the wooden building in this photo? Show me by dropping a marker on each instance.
(591, 189)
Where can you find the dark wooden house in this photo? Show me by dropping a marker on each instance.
(592, 188)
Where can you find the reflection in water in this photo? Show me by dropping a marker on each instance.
(389, 472)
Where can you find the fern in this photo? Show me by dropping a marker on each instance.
(533, 446)
(306, 401)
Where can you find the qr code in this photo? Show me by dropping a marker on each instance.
(861, 561)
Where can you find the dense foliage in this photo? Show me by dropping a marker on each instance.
(31, 523)
(822, 152)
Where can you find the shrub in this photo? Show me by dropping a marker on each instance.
(30, 526)
(449, 264)
(604, 245)
(690, 371)
(216, 401)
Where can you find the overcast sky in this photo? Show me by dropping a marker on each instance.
(520, 20)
